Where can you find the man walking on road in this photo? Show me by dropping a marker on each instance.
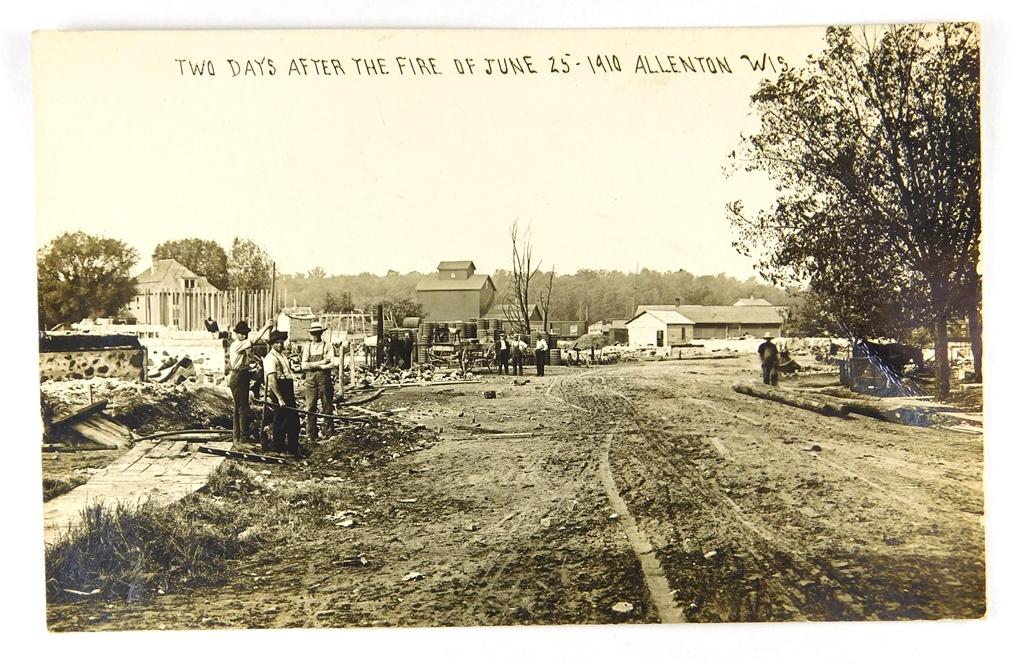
(769, 354)
(239, 378)
(503, 349)
(280, 391)
(317, 362)
(541, 354)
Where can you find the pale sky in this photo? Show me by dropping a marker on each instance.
(369, 173)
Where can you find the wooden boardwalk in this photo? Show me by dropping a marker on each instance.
(158, 471)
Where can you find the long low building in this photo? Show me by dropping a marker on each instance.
(725, 322)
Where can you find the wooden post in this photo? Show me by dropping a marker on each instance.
(380, 334)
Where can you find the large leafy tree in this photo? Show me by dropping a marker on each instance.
(250, 267)
(83, 276)
(204, 257)
(874, 147)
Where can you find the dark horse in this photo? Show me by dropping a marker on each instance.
(894, 356)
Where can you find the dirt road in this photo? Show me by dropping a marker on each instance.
(651, 488)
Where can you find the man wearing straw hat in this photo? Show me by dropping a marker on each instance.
(317, 360)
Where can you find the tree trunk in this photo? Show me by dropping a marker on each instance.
(974, 324)
(941, 358)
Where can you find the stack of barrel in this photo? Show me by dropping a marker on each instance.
(424, 337)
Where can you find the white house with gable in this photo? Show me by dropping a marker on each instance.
(661, 329)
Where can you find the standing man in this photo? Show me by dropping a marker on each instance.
(541, 354)
(281, 392)
(407, 347)
(239, 377)
(518, 352)
(769, 354)
(317, 362)
(503, 353)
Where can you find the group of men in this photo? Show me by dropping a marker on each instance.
(315, 366)
(515, 350)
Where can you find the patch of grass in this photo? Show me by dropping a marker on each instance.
(130, 553)
(56, 486)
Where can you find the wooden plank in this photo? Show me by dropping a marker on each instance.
(80, 414)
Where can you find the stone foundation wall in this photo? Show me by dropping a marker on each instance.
(124, 363)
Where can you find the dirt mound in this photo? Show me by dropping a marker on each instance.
(369, 445)
(142, 407)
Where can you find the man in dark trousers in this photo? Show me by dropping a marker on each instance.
(504, 349)
(541, 353)
(518, 352)
(769, 354)
(239, 378)
(318, 385)
(280, 391)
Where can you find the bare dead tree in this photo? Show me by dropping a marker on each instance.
(523, 271)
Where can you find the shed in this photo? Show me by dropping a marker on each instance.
(296, 321)
(660, 329)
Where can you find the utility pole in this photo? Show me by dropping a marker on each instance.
(636, 277)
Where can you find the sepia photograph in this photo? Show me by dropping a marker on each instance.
(436, 328)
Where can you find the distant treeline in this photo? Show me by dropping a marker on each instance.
(592, 294)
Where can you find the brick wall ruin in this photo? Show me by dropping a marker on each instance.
(125, 363)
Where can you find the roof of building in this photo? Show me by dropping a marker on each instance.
(433, 282)
(456, 265)
(499, 311)
(298, 312)
(669, 317)
(752, 302)
(716, 314)
(163, 268)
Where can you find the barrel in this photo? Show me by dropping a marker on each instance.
(411, 321)
(555, 356)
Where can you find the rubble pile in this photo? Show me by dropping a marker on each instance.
(368, 445)
(142, 407)
(418, 375)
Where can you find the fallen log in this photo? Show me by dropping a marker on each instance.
(790, 398)
(877, 408)
(359, 402)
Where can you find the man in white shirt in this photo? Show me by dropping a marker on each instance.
(519, 348)
(503, 349)
(280, 391)
(541, 354)
(239, 379)
(317, 362)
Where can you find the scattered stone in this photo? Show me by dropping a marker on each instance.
(473, 526)
(613, 516)
(622, 607)
(710, 555)
(812, 448)
(412, 576)
(547, 522)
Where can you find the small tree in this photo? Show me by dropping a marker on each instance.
(337, 302)
(204, 257)
(250, 267)
(83, 276)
